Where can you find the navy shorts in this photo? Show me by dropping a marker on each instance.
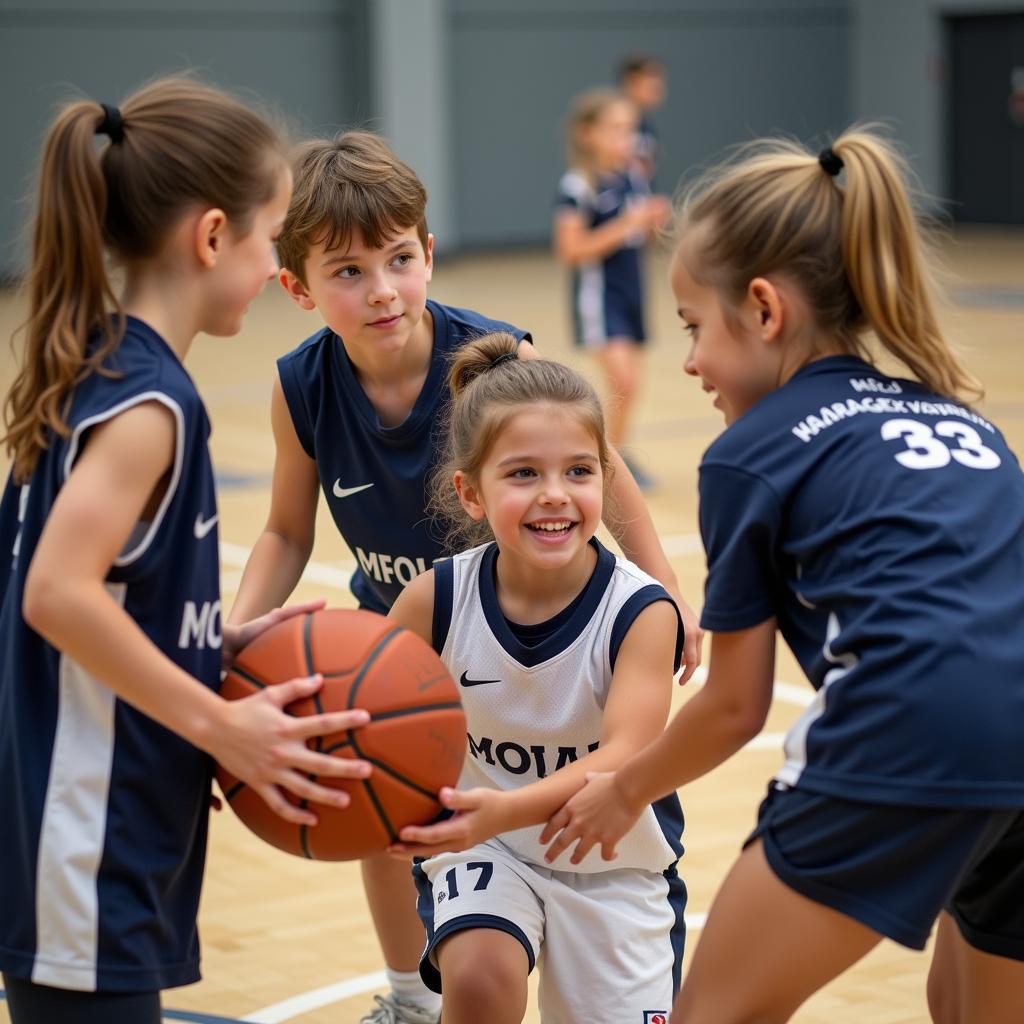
(600, 314)
(895, 868)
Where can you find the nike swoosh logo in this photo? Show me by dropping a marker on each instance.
(345, 492)
(465, 681)
(204, 526)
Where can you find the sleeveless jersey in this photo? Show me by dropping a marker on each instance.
(104, 811)
(884, 527)
(374, 477)
(532, 709)
(606, 292)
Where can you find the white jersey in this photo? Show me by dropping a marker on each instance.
(531, 709)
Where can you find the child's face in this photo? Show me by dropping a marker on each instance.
(244, 265)
(726, 353)
(611, 139)
(540, 487)
(372, 298)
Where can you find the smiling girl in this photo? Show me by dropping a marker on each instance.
(565, 654)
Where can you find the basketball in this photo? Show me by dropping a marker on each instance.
(416, 737)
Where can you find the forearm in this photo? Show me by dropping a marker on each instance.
(630, 523)
(535, 803)
(705, 732)
(84, 622)
(271, 574)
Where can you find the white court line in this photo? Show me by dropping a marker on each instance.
(236, 555)
(788, 693)
(306, 1002)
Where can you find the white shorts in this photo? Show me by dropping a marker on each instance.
(609, 943)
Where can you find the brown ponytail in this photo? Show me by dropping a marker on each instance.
(69, 293)
(857, 252)
(181, 144)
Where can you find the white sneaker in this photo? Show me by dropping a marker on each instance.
(393, 1011)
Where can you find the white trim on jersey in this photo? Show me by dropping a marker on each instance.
(71, 838)
(795, 745)
(126, 558)
(590, 305)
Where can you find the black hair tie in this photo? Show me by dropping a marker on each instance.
(504, 357)
(831, 161)
(112, 124)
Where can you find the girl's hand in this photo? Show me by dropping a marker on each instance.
(265, 747)
(478, 817)
(598, 813)
(237, 637)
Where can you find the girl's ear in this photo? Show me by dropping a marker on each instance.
(428, 256)
(209, 237)
(766, 309)
(469, 496)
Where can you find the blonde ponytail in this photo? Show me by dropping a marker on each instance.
(857, 252)
(886, 260)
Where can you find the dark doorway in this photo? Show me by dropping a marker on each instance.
(986, 139)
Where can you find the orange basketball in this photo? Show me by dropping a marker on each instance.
(416, 737)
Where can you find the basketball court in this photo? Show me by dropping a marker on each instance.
(288, 940)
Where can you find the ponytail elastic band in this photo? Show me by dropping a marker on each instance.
(504, 357)
(832, 162)
(112, 123)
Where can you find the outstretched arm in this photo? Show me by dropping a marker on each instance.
(724, 715)
(283, 548)
(635, 713)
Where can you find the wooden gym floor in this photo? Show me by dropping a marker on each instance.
(289, 940)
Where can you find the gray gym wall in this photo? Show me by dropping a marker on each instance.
(473, 93)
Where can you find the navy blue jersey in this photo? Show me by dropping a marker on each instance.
(375, 478)
(104, 811)
(607, 294)
(884, 527)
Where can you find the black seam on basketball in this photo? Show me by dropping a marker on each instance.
(336, 746)
(418, 710)
(381, 813)
(307, 650)
(368, 663)
(304, 829)
(234, 791)
(248, 677)
(398, 777)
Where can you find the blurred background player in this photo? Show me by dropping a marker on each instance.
(642, 81)
(565, 656)
(603, 218)
(110, 638)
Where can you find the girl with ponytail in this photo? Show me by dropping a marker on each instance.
(111, 643)
(877, 521)
(565, 655)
